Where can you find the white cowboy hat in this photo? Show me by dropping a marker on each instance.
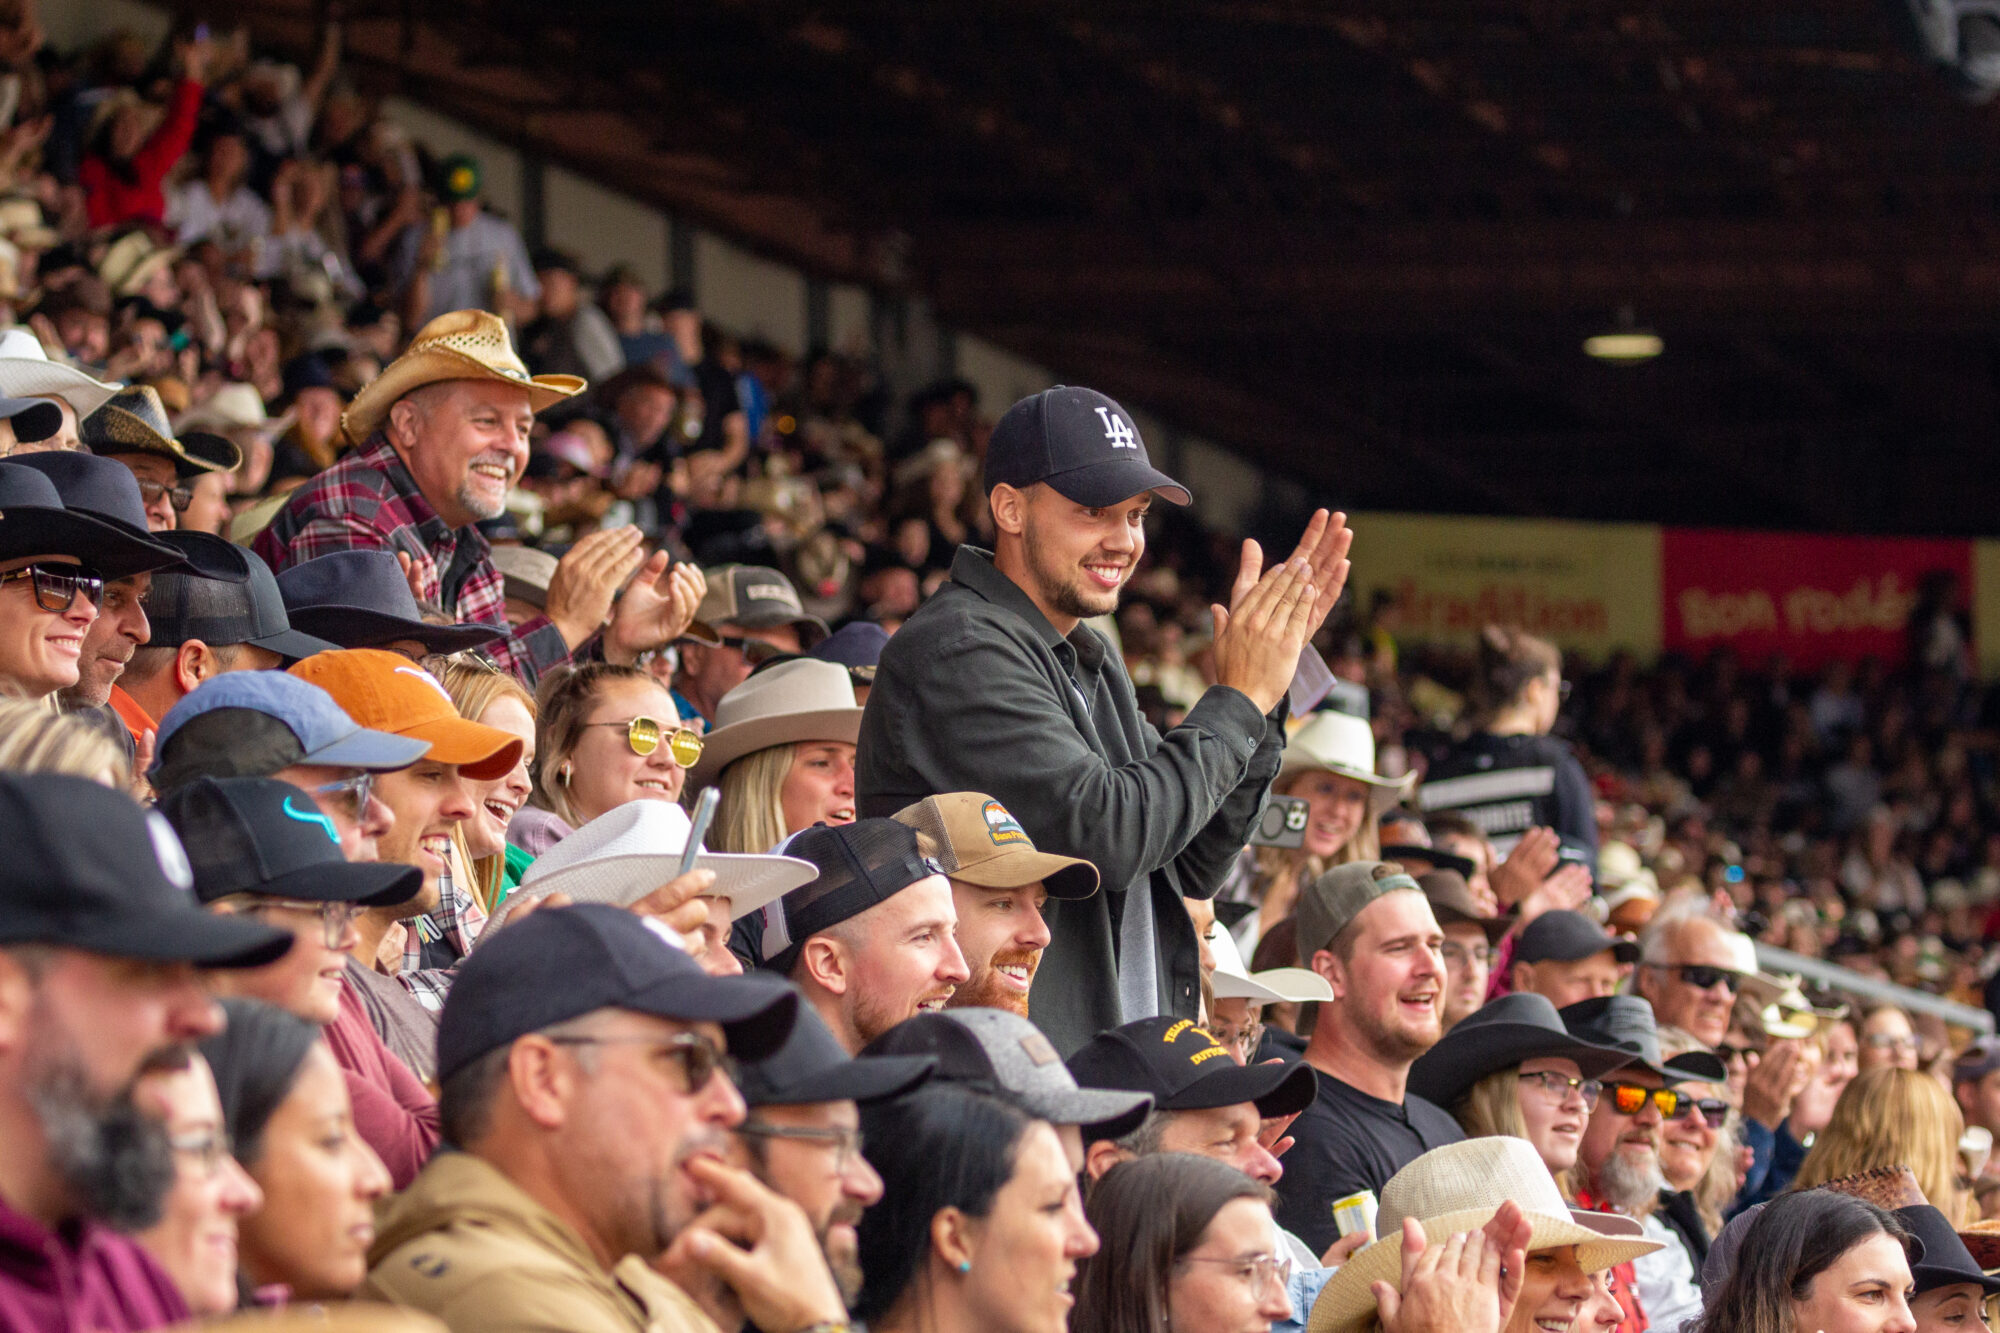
(1458, 1188)
(1279, 985)
(628, 851)
(790, 703)
(461, 345)
(231, 407)
(27, 372)
(1345, 744)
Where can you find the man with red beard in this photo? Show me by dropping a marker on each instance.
(999, 885)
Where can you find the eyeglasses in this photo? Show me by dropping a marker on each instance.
(56, 587)
(1890, 1041)
(845, 1141)
(1558, 1087)
(1713, 1110)
(354, 792)
(1261, 1272)
(208, 1149)
(1703, 977)
(643, 735)
(699, 1058)
(334, 918)
(1244, 1039)
(180, 497)
(1631, 1098)
(1728, 1054)
(1461, 953)
(755, 651)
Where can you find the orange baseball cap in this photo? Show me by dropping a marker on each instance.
(388, 692)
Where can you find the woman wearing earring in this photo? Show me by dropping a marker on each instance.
(604, 735)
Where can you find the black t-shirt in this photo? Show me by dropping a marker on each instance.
(1510, 784)
(1348, 1141)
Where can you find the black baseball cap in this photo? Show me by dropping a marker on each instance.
(1080, 442)
(860, 864)
(1007, 1056)
(87, 868)
(1186, 1069)
(1626, 1023)
(361, 599)
(1566, 936)
(259, 835)
(565, 962)
(106, 489)
(812, 1066)
(217, 611)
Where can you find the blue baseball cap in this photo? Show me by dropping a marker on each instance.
(253, 723)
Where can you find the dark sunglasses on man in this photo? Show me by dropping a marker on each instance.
(1702, 976)
(56, 587)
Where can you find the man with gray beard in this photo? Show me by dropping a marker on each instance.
(1618, 1162)
(100, 942)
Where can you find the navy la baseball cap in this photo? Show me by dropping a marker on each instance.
(565, 962)
(253, 723)
(1080, 442)
(262, 836)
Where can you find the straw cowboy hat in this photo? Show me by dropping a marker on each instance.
(134, 421)
(27, 372)
(1459, 1187)
(627, 852)
(461, 345)
(132, 261)
(1345, 744)
(791, 703)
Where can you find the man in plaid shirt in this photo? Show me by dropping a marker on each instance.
(443, 434)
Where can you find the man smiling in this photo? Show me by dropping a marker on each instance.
(997, 684)
(999, 886)
(441, 435)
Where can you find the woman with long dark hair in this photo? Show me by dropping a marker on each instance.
(1817, 1262)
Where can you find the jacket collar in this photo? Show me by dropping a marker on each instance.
(974, 568)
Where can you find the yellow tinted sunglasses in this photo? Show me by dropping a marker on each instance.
(643, 735)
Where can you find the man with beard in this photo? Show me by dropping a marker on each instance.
(440, 436)
(584, 1062)
(802, 1133)
(869, 942)
(996, 684)
(1618, 1162)
(99, 946)
(999, 887)
(1367, 928)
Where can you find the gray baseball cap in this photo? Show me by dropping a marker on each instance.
(1006, 1055)
(1332, 901)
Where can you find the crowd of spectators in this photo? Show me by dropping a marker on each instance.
(524, 808)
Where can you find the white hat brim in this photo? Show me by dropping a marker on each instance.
(748, 881)
(25, 377)
(1346, 1303)
(1277, 985)
(725, 745)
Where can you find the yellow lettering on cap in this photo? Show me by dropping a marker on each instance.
(1173, 1034)
(1208, 1054)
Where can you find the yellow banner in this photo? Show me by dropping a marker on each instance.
(1589, 587)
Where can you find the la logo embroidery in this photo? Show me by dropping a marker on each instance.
(1117, 430)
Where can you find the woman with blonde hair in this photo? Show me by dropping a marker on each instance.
(604, 735)
(36, 739)
(1893, 1117)
(782, 753)
(488, 695)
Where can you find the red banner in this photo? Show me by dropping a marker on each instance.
(1810, 598)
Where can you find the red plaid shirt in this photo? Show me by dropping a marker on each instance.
(369, 502)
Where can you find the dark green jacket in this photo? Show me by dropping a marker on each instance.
(977, 692)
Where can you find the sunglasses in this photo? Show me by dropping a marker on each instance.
(1713, 1110)
(56, 587)
(180, 497)
(1703, 977)
(755, 651)
(1631, 1098)
(643, 735)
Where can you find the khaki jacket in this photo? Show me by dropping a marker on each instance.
(467, 1245)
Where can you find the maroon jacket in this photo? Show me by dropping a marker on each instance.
(394, 1114)
(79, 1278)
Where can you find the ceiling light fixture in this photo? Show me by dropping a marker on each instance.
(1625, 343)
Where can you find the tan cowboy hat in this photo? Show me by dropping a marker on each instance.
(132, 260)
(1458, 1188)
(134, 421)
(793, 702)
(234, 406)
(1345, 744)
(462, 345)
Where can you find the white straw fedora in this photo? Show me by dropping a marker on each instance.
(1458, 1188)
(461, 345)
(1278, 985)
(792, 702)
(628, 851)
(1345, 744)
(27, 372)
